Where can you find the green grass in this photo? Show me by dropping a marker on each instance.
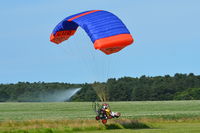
(160, 116)
(83, 110)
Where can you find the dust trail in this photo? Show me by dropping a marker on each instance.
(59, 96)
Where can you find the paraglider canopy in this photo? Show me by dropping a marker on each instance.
(106, 31)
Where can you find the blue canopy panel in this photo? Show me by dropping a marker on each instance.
(106, 31)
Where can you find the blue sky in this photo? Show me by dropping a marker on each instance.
(166, 33)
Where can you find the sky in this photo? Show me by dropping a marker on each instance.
(166, 34)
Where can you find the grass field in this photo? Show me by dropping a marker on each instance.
(159, 116)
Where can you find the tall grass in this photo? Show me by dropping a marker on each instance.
(68, 125)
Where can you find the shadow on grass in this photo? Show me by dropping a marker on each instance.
(127, 124)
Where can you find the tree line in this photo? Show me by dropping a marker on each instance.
(176, 87)
(32, 92)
